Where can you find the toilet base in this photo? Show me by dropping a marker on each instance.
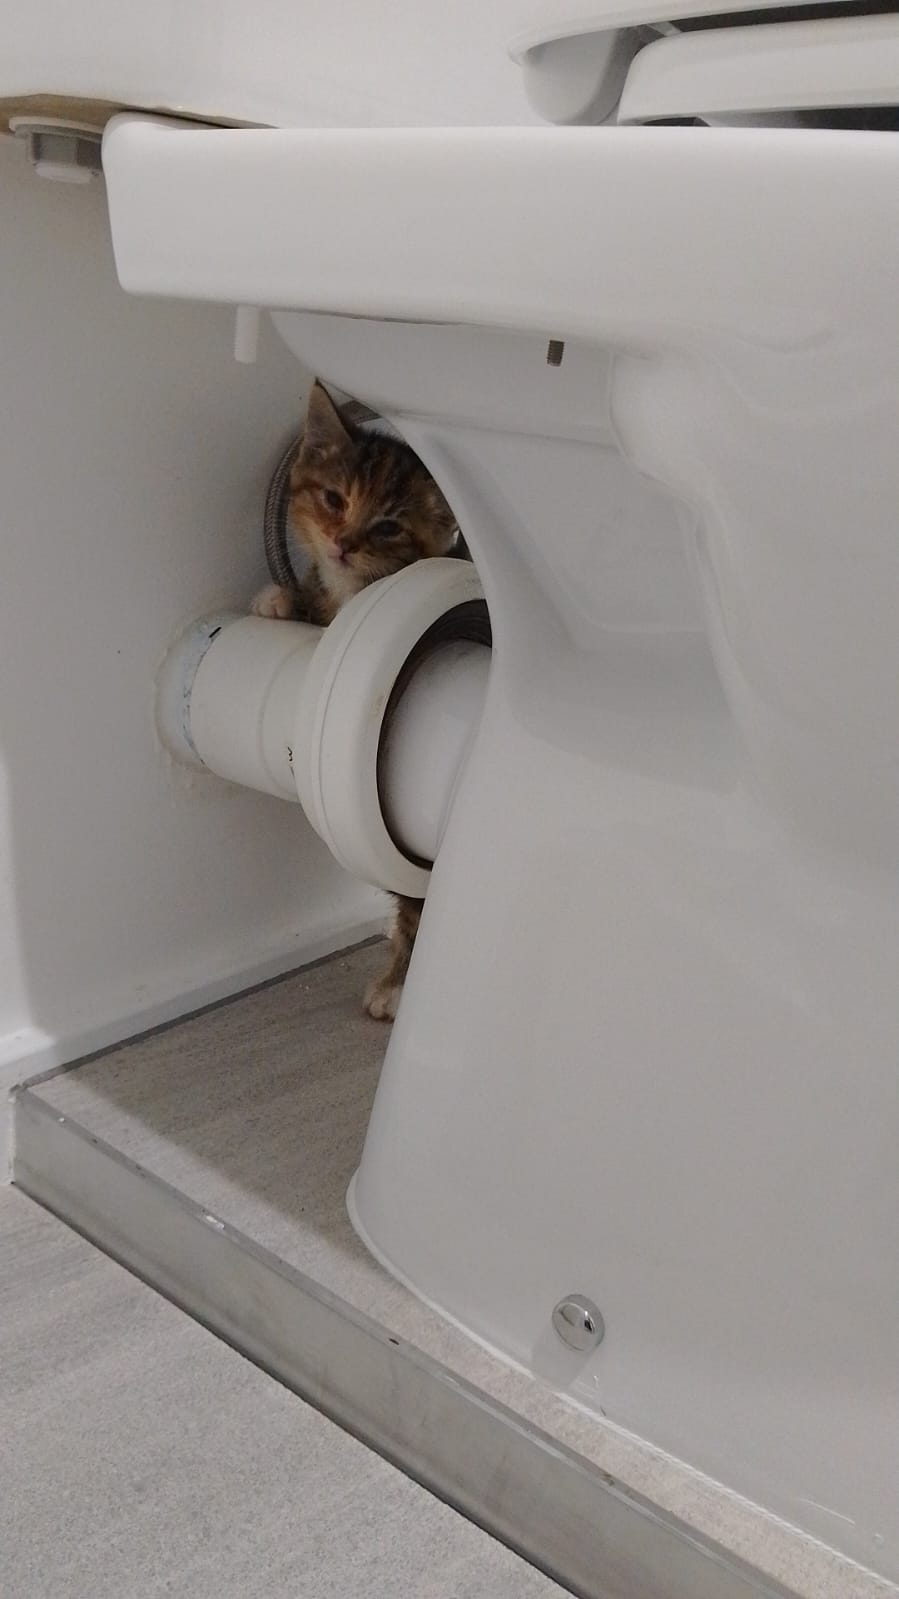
(647, 1052)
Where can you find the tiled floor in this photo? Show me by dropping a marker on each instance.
(141, 1457)
(257, 1110)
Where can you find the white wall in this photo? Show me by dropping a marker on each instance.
(134, 456)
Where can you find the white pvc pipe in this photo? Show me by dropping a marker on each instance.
(243, 701)
(226, 697)
(297, 711)
(425, 746)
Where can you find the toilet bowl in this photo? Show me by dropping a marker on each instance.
(647, 1047)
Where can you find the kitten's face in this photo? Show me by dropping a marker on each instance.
(362, 505)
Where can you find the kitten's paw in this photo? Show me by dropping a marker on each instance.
(382, 998)
(274, 601)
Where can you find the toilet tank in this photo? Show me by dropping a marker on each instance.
(262, 62)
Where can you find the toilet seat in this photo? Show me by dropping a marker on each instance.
(198, 214)
(655, 60)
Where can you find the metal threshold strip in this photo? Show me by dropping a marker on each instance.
(571, 1520)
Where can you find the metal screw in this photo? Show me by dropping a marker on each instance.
(579, 1322)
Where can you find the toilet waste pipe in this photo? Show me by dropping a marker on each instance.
(366, 723)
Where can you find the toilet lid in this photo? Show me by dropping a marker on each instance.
(565, 19)
(714, 60)
(765, 70)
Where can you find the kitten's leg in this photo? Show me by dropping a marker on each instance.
(275, 601)
(301, 602)
(382, 996)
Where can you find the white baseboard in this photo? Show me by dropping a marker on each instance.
(30, 1053)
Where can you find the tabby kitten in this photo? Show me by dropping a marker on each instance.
(362, 506)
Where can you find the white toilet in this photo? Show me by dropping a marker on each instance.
(647, 1048)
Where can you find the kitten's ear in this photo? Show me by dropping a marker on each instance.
(323, 430)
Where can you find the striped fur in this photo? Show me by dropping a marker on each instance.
(362, 506)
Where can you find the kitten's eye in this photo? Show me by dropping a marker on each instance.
(335, 501)
(387, 528)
